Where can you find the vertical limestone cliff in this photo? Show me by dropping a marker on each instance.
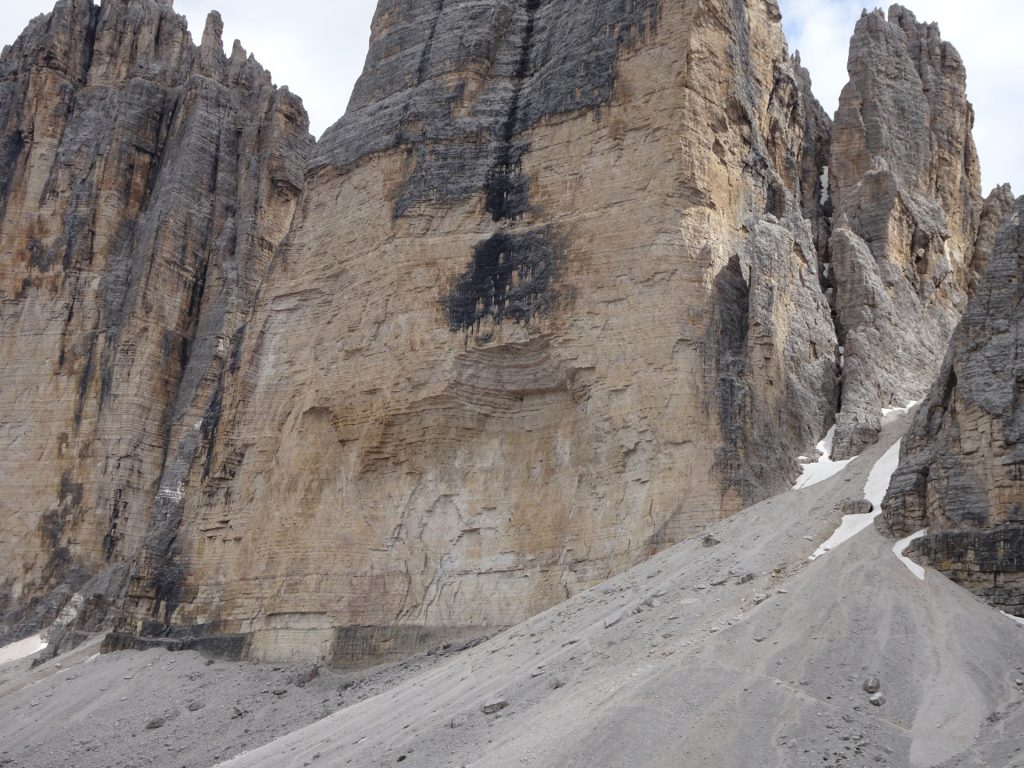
(961, 473)
(905, 194)
(550, 303)
(145, 184)
(565, 284)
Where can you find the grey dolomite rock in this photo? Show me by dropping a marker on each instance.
(145, 183)
(905, 191)
(960, 474)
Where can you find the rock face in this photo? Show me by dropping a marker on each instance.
(961, 474)
(145, 184)
(550, 304)
(905, 195)
(552, 295)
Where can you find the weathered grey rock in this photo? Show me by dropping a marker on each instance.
(960, 473)
(494, 707)
(551, 304)
(872, 685)
(997, 209)
(906, 202)
(554, 298)
(144, 186)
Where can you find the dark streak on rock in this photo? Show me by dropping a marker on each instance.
(541, 58)
(729, 337)
(511, 277)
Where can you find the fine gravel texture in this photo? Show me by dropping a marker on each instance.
(157, 709)
(730, 649)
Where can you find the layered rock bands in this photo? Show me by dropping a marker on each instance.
(566, 283)
(961, 475)
(145, 184)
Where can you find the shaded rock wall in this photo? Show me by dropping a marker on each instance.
(549, 305)
(145, 184)
(562, 287)
(905, 196)
(961, 472)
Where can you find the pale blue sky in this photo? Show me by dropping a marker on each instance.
(316, 48)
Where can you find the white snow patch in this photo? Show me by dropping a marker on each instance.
(901, 546)
(22, 649)
(881, 475)
(823, 468)
(889, 413)
(1011, 617)
(850, 527)
(824, 186)
(176, 495)
(874, 491)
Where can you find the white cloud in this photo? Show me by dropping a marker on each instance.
(317, 48)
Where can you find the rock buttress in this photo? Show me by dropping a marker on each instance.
(961, 474)
(550, 304)
(906, 199)
(144, 186)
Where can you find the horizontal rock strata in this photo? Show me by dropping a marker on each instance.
(550, 304)
(566, 283)
(905, 193)
(961, 474)
(145, 184)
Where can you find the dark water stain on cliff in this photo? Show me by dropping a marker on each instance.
(542, 58)
(511, 277)
(728, 337)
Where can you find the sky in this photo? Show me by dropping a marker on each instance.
(317, 47)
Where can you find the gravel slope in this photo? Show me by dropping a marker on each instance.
(682, 661)
(731, 651)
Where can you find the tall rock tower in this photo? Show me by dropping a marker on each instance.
(906, 200)
(961, 475)
(566, 283)
(145, 184)
(550, 304)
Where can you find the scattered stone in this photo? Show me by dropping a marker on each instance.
(612, 620)
(719, 582)
(758, 599)
(280, 691)
(556, 683)
(156, 722)
(710, 541)
(872, 685)
(746, 578)
(195, 706)
(494, 707)
(877, 699)
(305, 675)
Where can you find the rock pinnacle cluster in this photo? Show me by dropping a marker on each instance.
(567, 283)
